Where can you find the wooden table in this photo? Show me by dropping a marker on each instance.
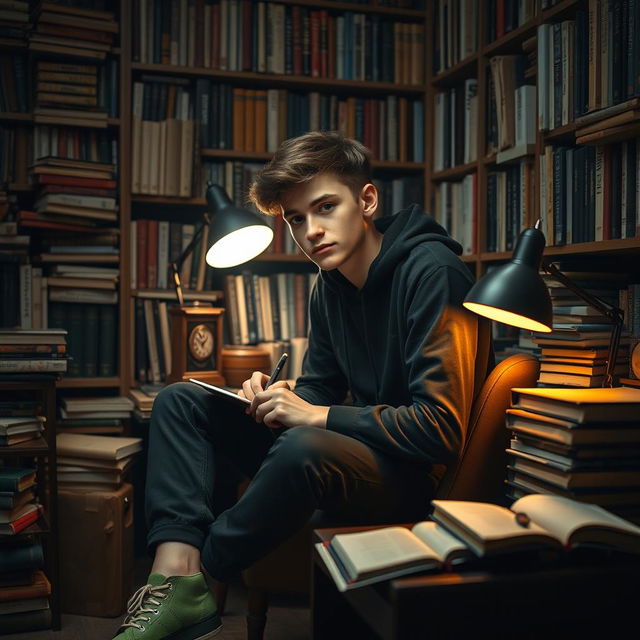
(580, 595)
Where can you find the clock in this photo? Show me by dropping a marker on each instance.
(196, 344)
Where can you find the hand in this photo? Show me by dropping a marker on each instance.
(278, 406)
(256, 383)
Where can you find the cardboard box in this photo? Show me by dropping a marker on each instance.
(96, 550)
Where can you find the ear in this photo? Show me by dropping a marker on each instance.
(369, 200)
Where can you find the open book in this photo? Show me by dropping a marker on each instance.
(535, 521)
(364, 557)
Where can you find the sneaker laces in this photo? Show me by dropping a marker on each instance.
(144, 601)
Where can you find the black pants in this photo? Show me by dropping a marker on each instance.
(294, 472)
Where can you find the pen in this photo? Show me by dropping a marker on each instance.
(277, 370)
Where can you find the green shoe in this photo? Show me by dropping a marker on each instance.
(174, 608)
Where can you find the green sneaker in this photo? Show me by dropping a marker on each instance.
(173, 608)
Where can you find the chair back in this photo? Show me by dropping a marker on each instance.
(480, 471)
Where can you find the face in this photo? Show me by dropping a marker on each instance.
(331, 226)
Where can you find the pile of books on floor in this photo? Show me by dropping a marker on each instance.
(72, 31)
(24, 587)
(579, 443)
(94, 463)
(14, 25)
(19, 507)
(575, 353)
(33, 351)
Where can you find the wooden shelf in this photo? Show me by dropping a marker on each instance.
(281, 257)
(197, 202)
(271, 80)
(464, 69)
(263, 156)
(359, 8)
(455, 172)
(79, 383)
(8, 116)
(559, 10)
(511, 42)
(565, 133)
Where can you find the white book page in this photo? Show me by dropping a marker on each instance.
(379, 548)
(562, 516)
(486, 521)
(229, 395)
(439, 539)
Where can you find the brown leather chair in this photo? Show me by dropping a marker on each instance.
(478, 475)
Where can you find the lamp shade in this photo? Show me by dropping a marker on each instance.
(515, 293)
(236, 235)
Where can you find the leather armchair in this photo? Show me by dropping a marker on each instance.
(479, 474)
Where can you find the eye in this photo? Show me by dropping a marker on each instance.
(325, 207)
(295, 220)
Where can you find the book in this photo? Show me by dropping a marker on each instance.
(535, 521)
(20, 555)
(568, 478)
(16, 478)
(570, 433)
(365, 557)
(39, 588)
(26, 517)
(581, 405)
(92, 446)
(222, 393)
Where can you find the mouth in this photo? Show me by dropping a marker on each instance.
(322, 248)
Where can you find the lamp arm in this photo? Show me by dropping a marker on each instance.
(615, 314)
(176, 265)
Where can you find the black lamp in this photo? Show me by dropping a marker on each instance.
(516, 294)
(236, 235)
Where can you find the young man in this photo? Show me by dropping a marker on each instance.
(388, 332)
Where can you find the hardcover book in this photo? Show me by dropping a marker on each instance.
(535, 521)
(362, 558)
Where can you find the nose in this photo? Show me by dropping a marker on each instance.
(314, 228)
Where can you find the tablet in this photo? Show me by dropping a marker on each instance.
(222, 393)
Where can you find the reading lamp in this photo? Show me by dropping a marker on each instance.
(236, 235)
(515, 294)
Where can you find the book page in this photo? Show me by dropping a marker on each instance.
(563, 516)
(446, 546)
(368, 551)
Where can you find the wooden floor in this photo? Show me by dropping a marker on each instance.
(288, 619)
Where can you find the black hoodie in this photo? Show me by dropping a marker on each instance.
(403, 345)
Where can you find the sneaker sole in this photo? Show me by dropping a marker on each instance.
(200, 631)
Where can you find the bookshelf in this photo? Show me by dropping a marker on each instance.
(482, 35)
(41, 453)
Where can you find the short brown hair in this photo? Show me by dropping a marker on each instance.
(300, 159)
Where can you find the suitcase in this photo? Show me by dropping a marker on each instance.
(96, 550)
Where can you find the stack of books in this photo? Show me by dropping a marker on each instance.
(143, 399)
(604, 124)
(72, 31)
(575, 353)
(94, 462)
(19, 505)
(579, 443)
(16, 430)
(24, 588)
(116, 407)
(33, 351)
(14, 22)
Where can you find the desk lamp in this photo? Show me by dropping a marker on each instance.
(235, 236)
(516, 294)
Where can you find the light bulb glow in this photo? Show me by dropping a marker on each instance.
(507, 317)
(240, 246)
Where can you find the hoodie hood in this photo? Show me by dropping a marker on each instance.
(402, 232)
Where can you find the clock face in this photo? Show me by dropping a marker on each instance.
(201, 342)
